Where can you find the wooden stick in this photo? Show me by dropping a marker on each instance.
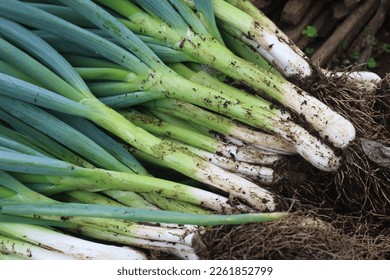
(261, 4)
(340, 10)
(321, 23)
(366, 38)
(346, 31)
(350, 3)
(294, 32)
(294, 10)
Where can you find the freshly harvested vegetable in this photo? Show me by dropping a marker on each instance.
(30, 239)
(83, 103)
(188, 34)
(274, 45)
(161, 128)
(71, 177)
(99, 221)
(100, 211)
(170, 83)
(221, 125)
(104, 229)
(89, 90)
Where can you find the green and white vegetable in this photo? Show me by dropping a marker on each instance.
(197, 91)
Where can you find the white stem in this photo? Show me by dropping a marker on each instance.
(227, 139)
(179, 249)
(365, 80)
(74, 247)
(246, 154)
(168, 235)
(263, 140)
(233, 184)
(182, 251)
(262, 174)
(27, 250)
(254, 195)
(330, 125)
(309, 147)
(287, 59)
(231, 140)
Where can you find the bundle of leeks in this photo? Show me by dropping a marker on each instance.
(152, 76)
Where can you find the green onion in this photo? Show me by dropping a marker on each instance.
(64, 174)
(130, 233)
(41, 142)
(257, 29)
(221, 125)
(164, 129)
(29, 251)
(96, 225)
(183, 251)
(298, 63)
(94, 110)
(61, 132)
(208, 51)
(59, 244)
(177, 159)
(289, 131)
(136, 215)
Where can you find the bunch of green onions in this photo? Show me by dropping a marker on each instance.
(87, 95)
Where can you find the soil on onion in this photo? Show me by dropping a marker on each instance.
(343, 215)
(340, 215)
(350, 208)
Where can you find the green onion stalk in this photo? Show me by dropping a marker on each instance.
(262, 174)
(264, 141)
(117, 159)
(80, 102)
(38, 242)
(101, 221)
(167, 130)
(25, 134)
(71, 177)
(160, 78)
(77, 141)
(135, 215)
(220, 125)
(268, 40)
(123, 155)
(9, 143)
(20, 115)
(163, 79)
(273, 44)
(236, 44)
(26, 250)
(82, 196)
(258, 171)
(179, 241)
(142, 230)
(129, 233)
(255, 29)
(180, 250)
(288, 130)
(189, 35)
(103, 212)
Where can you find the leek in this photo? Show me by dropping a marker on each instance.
(60, 244)
(136, 215)
(208, 51)
(89, 107)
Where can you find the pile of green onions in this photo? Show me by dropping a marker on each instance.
(100, 103)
